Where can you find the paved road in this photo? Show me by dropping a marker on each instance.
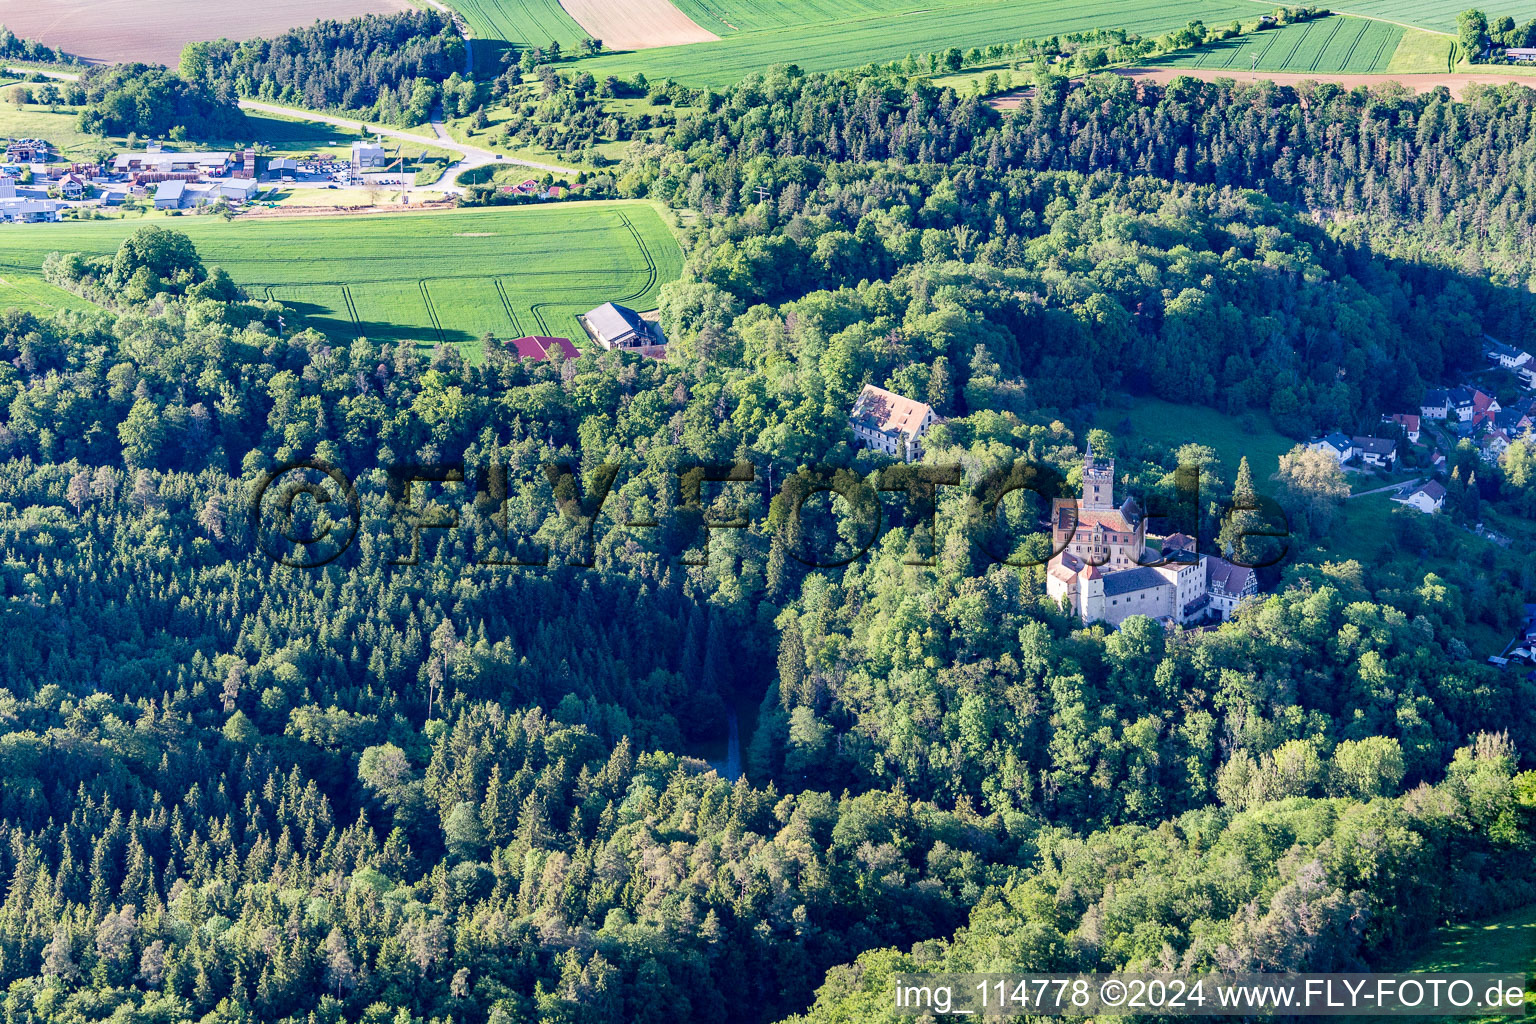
(1410, 484)
(63, 76)
(470, 156)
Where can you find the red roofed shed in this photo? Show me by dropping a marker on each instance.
(540, 348)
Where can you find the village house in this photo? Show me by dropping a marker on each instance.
(1107, 575)
(72, 186)
(1408, 421)
(1379, 452)
(1507, 356)
(1426, 498)
(1514, 421)
(1436, 404)
(1337, 445)
(887, 422)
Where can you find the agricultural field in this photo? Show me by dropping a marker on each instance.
(519, 23)
(1435, 15)
(724, 17)
(156, 30)
(1323, 45)
(851, 42)
(637, 24)
(449, 277)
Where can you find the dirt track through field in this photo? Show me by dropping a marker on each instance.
(635, 24)
(156, 30)
(1457, 84)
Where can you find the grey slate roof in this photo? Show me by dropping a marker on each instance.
(611, 320)
(1131, 580)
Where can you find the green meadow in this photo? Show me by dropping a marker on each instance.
(423, 277)
(1500, 945)
(827, 46)
(1165, 424)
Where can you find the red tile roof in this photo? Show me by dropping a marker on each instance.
(539, 348)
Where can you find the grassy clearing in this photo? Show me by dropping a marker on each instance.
(849, 43)
(1501, 945)
(421, 277)
(58, 125)
(1421, 53)
(1324, 45)
(36, 295)
(1154, 421)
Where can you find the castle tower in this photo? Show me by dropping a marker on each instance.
(1098, 484)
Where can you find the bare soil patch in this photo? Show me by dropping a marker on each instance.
(156, 30)
(635, 24)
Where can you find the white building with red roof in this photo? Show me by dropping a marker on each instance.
(890, 423)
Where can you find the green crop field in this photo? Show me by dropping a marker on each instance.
(36, 295)
(423, 277)
(520, 23)
(1436, 15)
(849, 43)
(1325, 45)
(723, 17)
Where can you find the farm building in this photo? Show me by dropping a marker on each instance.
(618, 327)
(169, 195)
(155, 162)
(882, 420)
(28, 211)
(25, 151)
(1521, 54)
(238, 190)
(543, 348)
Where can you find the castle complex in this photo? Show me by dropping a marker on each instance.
(1105, 572)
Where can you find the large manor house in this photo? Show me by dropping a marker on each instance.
(1105, 572)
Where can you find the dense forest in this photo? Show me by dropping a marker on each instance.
(389, 68)
(14, 47)
(462, 789)
(152, 102)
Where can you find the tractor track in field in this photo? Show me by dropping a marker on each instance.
(506, 304)
(426, 298)
(1338, 23)
(357, 321)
